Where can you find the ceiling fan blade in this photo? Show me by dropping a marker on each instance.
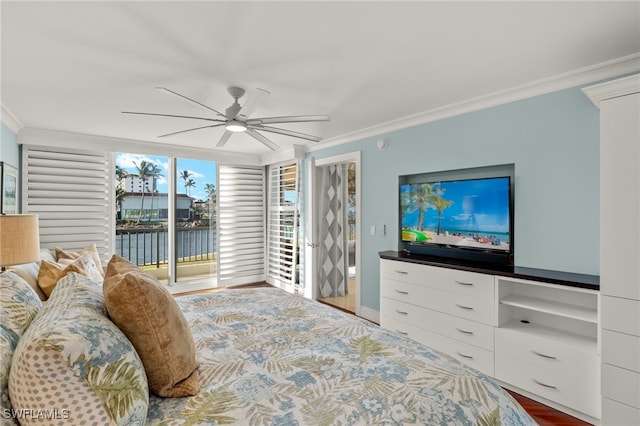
(190, 130)
(288, 119)
(262, 139)
(173, 115)
(164, 89)
(286, 132)
(225, 137)
(257, 97)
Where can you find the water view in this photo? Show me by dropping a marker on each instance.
(149, 246)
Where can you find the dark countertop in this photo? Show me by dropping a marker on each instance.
(570, 279)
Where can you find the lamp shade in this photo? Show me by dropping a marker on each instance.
(19, 239)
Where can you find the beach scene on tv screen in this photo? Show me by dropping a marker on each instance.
(465, 213)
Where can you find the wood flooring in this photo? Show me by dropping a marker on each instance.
(543, 414)
(345, 303)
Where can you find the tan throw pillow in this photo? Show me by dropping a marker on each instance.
(88, 266)
(91, 250)
(50, 272)
(152, 320)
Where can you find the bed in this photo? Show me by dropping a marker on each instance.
(265, 357)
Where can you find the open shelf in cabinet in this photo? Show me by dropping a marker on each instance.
(564, 314)
(580, 313)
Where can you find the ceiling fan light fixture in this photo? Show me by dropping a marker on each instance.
(235, 126)
(236, 119)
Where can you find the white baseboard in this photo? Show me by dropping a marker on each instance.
(369, 314)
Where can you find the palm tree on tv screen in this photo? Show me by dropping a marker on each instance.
(418, 198)
(440, 203)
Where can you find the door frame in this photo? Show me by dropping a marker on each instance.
(312, 218)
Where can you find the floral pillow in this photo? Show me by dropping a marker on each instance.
(20, 304)
(73, 358)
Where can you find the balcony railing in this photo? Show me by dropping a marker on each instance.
(150, 246)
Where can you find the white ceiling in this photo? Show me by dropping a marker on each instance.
(74, 66)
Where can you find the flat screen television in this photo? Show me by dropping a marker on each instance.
(470, 218)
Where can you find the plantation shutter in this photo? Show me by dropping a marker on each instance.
(282, 230)
(70, 190)
(241, 225)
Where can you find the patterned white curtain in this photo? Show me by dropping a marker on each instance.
(333, 231)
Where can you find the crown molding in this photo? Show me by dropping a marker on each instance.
(605, 70)
(10, 120)
(295, 152)
(81, 141)
(612, 89)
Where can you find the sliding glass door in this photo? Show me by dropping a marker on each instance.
(195, 220)
(166, 216)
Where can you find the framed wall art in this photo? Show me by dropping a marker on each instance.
(9, 185)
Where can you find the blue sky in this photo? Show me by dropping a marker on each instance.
(203, 172)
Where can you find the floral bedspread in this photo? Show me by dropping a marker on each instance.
(271, 358)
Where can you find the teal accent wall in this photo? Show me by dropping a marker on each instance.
(552, 139)
(9, 149)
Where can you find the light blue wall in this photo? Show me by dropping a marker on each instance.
(552, 139)
(10, 152)
(9, 149)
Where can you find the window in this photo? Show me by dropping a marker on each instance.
(195, 219)
(181, 220)
(178, 247)
(141, 235)
(282, 228)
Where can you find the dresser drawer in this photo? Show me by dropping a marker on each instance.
(621, 385)
(470, 283)
(478, 358)
(620, 349)
(621, 315)
(615, 413)
(560, 373)
(457, 328)
(461, 305)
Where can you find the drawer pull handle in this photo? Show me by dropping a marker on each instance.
(464, 356)
(404, 333)
(544, 384)
(402, 292)
(402, 272)
(402, 312)
(470, 333)
(468, 308)
(543, 355)
(463, 283)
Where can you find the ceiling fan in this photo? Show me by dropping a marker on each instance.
(236, 118)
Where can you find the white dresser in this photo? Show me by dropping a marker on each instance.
(538, 338)
(449, 310)
(619, 104)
